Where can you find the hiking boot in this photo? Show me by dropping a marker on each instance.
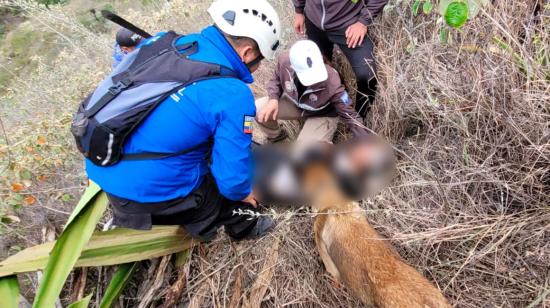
(208, 237)
(264, 225)
(281, 137)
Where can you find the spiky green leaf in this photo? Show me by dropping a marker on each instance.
(83, 303)
(91, 191)
(118, 282)
(67, 250)
(9, 292)
(111, 247)
(182, 257)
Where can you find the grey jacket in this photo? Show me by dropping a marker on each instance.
(327, 99)
(333, 15)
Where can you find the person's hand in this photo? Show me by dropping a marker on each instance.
(355, 34)
(251, 199)
(269, 112)
(300, 23)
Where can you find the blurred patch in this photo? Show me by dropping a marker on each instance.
(360, 167)
(345, 98)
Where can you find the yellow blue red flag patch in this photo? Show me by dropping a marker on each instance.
(248, 124)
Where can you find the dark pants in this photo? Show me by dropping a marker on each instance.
(361, 59)
(200, 214)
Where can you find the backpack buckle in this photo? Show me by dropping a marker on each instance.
(120, 86)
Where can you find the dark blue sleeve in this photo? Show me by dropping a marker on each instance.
(232, 161)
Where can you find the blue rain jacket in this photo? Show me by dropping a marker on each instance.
(218, 108)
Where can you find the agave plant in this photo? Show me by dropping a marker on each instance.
(80, 246)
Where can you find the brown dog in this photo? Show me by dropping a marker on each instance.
(351, 250)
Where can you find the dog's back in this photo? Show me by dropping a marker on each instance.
(329, 177)
(352, 251)
(355, 254)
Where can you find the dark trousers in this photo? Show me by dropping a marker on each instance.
(361, 59)
(200, 214)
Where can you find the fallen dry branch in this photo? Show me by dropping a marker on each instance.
(263, 281)
(176, 290)
(152, 290)
(237, 289)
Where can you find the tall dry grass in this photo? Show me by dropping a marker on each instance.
(469, 120)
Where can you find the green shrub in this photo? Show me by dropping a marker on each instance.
(51, 2)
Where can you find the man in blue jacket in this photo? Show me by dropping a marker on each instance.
(126, 42)
(200, 194)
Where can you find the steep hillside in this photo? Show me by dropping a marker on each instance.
(467, 110)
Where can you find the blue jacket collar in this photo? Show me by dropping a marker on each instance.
(214, 35)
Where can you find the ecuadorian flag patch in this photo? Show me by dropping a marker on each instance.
(247, 124)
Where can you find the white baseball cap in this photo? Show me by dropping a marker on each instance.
(307, 61)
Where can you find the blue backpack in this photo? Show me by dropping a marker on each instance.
(121, 102)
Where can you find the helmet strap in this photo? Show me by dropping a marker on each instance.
(253, 63)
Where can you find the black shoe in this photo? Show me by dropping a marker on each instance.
(264, 225)
(281, 137)
(208, 237)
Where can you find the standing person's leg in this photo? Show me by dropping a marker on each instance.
(318, 129)
(321, 39)
(287, 111)
(362, 61)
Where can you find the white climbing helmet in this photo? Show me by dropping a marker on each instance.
(255, 19)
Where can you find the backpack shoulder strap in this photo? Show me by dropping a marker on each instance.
(224, 72)
(122, 81)
(157, 155)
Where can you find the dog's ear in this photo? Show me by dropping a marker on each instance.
(363, 166)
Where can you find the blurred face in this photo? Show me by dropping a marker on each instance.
(364, 168)
(127, 50)
(359, 169)
(249, 54)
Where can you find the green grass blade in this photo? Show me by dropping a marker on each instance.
(117, 284)
(83, 303)
(9, 292)
(67, 250)
(111, 247)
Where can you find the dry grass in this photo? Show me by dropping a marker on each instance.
(470, 122)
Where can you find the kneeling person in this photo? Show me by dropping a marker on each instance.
(206, 176)
(304, 87)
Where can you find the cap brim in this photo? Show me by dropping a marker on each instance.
(312, 76)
